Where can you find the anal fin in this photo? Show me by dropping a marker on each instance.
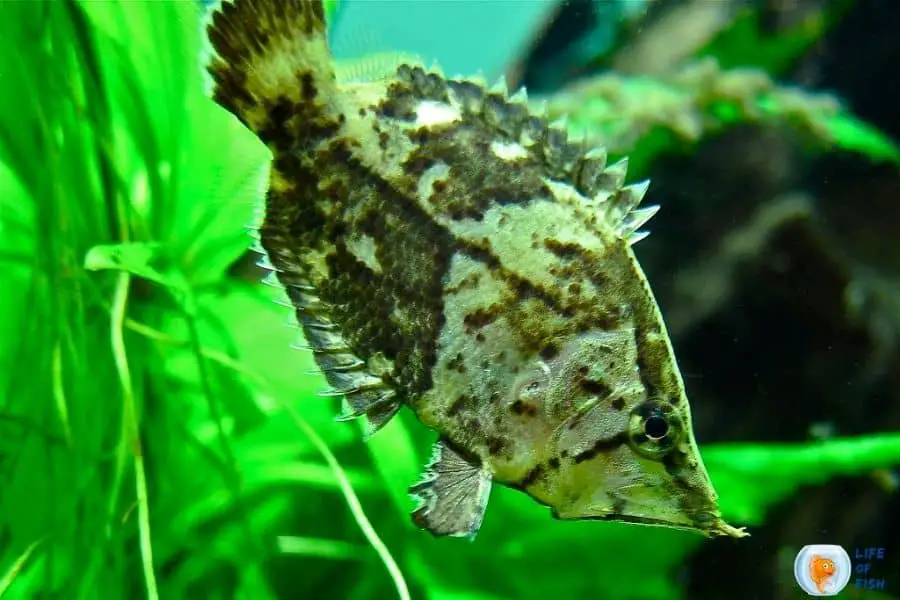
(453, 494)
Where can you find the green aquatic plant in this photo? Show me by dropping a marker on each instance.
(158, 435)
(731, 80)
(646, 116)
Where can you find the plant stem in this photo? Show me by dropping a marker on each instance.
(120, 300)
(355, 507)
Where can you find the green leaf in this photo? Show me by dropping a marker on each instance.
(16, 568)
(216, 201)
(196, 173)
(644, 117)
(752, 478)
(855, 135)
(745, 44)
(143, 259)
(17, 258)
(829, 122)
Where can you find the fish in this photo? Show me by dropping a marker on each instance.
(821, 570)
(447, 249)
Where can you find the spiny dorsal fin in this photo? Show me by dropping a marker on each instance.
(525, 134)
(618, 202)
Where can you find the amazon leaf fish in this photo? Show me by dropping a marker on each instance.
(446, 248)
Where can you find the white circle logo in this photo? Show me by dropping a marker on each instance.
(822, 569)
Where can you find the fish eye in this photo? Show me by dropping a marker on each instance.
(654, 429)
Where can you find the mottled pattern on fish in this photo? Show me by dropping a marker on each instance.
(448, 249)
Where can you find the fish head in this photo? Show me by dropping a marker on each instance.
(824, 566)
(621, 451)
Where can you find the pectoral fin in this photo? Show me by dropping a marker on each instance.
(453, 494)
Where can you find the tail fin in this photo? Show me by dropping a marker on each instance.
(268, 57)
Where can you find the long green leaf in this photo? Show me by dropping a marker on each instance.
(751, 478)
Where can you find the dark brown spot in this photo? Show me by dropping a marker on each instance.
(462, 402)
(336, 191)
(471, 424)
(566, 250)
(520, 407)
(419, 136)
(438, 186)
(478, 178)
(673, 462)
(594, 387)
(532, 476)
(553, 463)
(457, 363)
(417, 165)
(495, 445)
(307, 87)
(618, 403)
(275, 130)
(482, 316)
(399, 102)
(601, 446)
(479, 337)
(460, 215)
(549, 351)
(339, 150)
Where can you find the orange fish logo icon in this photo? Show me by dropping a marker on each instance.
(821, 570)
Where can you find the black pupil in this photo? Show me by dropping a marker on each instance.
(656, 428)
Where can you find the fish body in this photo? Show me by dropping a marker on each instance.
(448, 249)
(821, 570)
